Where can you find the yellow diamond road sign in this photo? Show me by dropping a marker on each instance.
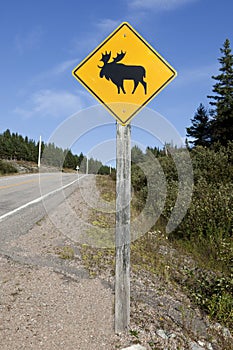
(124, 73)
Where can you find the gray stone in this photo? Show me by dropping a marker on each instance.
(196, 346)
(226, 333)
(161, 334)
(201, 343)
(135, 347)
(171, 335)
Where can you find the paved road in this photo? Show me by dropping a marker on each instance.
(18, 191)
(23, 199)
(26, 199)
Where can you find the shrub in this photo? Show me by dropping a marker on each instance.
(7, 168)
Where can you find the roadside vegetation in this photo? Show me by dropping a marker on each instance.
(197, 255)
(205, 233)
(7, 168)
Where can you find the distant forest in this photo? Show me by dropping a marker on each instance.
(14, 146)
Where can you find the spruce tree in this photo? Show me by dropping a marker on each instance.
(200, 129)
(222, 100)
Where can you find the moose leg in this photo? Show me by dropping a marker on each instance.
(144, 84)
(135, 86)
(122, 88)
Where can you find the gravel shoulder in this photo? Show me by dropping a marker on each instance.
(49, 301)
(41, 309)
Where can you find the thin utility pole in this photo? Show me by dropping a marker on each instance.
(87, 166)
(39, 155)
(123, 190)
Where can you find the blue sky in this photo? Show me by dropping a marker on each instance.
(42, 42)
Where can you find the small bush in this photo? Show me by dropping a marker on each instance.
(212, 294)
(7, 168)
(66, 253)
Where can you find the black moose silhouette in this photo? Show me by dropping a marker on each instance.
(118, 72)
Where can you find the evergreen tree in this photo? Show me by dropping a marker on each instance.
(200, 129)
(136, 155)
(70, 160)
(222, 123)
(80, 158)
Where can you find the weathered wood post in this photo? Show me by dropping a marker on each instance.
(123, 196)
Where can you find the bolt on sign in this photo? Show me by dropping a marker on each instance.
(124, 73)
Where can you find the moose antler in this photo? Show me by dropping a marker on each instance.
(106, 57)
(119, 57)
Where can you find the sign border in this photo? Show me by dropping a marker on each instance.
(98, 98)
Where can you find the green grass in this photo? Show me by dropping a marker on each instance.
(65, 252)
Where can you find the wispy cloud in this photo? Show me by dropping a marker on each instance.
(158, 5)
(82, 46)
(98, 32)
(50, 104)
(56, 71)
(63, 66)
(195, 74)
(107, 25)
(30, 41)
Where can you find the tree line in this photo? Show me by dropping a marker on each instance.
(14, 146)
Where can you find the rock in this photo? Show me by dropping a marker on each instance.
(196, 346)
(226, 333)
(135, 347)
(171, 335)
(161, 334)
(217, 326)
(201, 343)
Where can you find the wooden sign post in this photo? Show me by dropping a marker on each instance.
(123, 197)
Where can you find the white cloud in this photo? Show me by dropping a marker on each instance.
(82, 46)
(56, 71)
(195, 74)
(107, 25)
(30, 41)
(158, 5)
(64, 66)
(85, 44)
(50, 104)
